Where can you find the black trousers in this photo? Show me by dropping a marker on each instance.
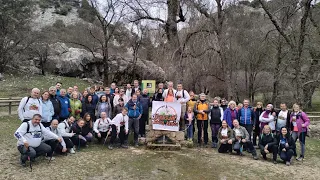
(53, 144)
(69, 143)
(249, 128)
(286, 155)
(224, 148)
(272, 149)
(142, 123)
(34, 152)
(202, 125)
(249, 145)
(256, 133)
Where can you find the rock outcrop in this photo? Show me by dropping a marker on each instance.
(76, 62)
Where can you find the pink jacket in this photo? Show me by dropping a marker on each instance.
(302, 118)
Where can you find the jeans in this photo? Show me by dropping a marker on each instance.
(190, 131)
(202, 125)
(286, 155)
(215, 130)
(272, 149)
(302, 140)
(134, 124)
(34, 152)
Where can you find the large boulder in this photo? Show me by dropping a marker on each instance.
(76, 62)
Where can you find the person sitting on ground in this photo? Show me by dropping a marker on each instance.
(216, 116)
(287, 146)
(56, 147)
(201, 110)
(89, 108)
(64, 128)
(158, 95)
(135, 112)
(121, 126)
(268, 143)
(47, 109)
(30, 106)
(118, 108)
(79, 140)
(104, 106)
(299, 123)
(118, 96)
(102, 127)
(189, 121)
(267, 118)
(75, 105)
(88, 127)
(240, 138)
(225, 134)
(29, 136)
(55, 102)
(65, 106)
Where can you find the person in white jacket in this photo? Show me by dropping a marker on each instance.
(29, 136)
(30, 106)
(165, 92)
(65, 129)
(102, 128)
(268, 118)
(121, 126)
(182, 96)
(56, 147)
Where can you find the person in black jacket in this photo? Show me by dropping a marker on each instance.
(145, 103)
(216, 116)
(256, 128)
(88, 127)
(268, 143)
(89, 107)
(55, 102)
(287, 146)
(79, 140)
(158, 95)
(283, 119)
(118, 108)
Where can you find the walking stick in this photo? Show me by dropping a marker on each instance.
(105, 140)
(57, 143)
(29, 159)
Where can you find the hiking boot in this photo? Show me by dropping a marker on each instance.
(124, 146)
(48, 158)
(205, 145)
(255, 157)
(249, 151)
(136, 145)
(288, 163)
(23, 163)
(110, 147)
(72, 151)
(300, 158)
(275, 162)
(214, 145)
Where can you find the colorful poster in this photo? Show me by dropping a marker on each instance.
(166, 115)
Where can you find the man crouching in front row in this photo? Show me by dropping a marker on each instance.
(29, 136)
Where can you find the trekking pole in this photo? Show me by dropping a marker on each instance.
(29, 159)
(105, 140)
(79, 143)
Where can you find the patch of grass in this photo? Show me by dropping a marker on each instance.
(21, 85)
(97, 162)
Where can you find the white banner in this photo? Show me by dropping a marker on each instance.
(166, 115)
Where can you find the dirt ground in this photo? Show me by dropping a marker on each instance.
(97, 162)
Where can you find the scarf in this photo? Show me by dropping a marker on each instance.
(266, 114)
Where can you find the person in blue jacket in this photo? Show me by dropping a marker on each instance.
(246, 117)
(135, 111)
(65, 105)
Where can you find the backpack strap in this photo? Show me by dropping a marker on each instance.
(26, 103)
(28, 127)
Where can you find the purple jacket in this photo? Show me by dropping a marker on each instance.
(227, 116)
(302, 118)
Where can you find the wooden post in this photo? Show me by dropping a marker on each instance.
(10, 106)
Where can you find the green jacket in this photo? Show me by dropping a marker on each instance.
(75, 105)
(230, 135)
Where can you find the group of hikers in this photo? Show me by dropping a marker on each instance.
(61, 121)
